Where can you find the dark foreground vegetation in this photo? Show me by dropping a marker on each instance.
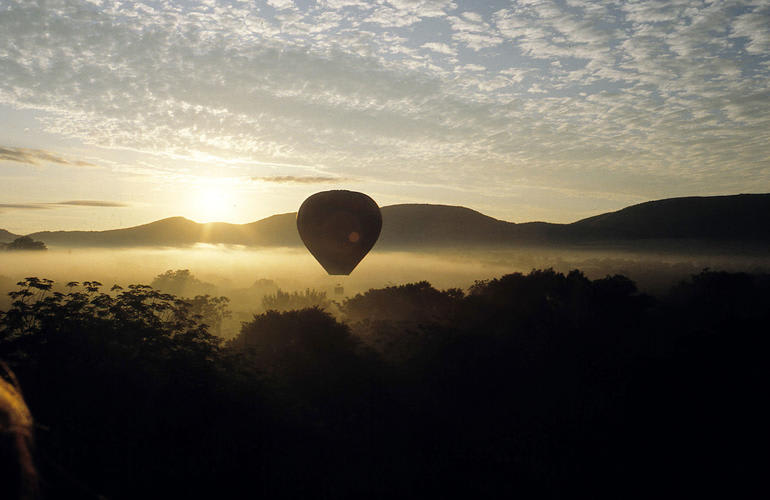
(541, 385)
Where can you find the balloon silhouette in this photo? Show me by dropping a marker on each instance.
(339, 228)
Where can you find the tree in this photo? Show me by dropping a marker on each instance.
(413, 302)
(181, 283)
(117, 379)
(137, 319)
(285, 301)
(25, 243)
(305, 350)
(212, 310)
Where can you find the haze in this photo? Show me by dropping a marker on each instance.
(246, 275)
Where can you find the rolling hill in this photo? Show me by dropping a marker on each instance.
(278, 230)
(738, 218)
(7, 237)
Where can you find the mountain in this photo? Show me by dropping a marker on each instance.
(735, 219)
(738, 217)
(7, 237)
(403, 226)
(278, 230)
(443, 225)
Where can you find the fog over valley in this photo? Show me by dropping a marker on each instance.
(246, 275)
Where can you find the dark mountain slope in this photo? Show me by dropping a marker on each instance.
(166, 232)
(722, 218)
(277, 230)
(734, 219)
(438, 225)
(445, 225)
(6, 236)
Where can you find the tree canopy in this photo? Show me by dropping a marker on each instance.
(537, 384)
(24, 243)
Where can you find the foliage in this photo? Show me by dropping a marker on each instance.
(288, 301)
(307, 352)
(212, 311)
(529, 385)
(138, 318)
(288, 341)
(416, 302)
(181, 283)
(24, 243)
(92, 362)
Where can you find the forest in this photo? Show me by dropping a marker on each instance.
(543, 384)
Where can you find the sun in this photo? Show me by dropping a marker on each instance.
(212, 204)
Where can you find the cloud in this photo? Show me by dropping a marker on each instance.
(441, 48)
(281, 4)
(392, 18)
(71, 203)
(23, 206)
(37, 156)
(341, 4)
(91, 203)
(754, 27)
(573, 91)
(291, 179)
(402, 13)
(471, 30)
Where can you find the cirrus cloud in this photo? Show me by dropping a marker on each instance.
(634, 96)
(71, 203)
(91, 203)
(37, 156)
(292, 179)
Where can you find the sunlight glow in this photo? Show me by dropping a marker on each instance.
(212, 203)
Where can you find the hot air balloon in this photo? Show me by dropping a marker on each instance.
(339, 228)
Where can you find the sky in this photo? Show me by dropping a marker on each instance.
(117, 113)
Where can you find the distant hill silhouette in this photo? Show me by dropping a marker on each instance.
(739, 217)
(735, 219)
(442, 225)
(7, 237)
(277, 230)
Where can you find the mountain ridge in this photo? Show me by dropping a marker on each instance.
(743, 217)
(7, 236)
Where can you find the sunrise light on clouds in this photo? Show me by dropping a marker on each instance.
(524, 110)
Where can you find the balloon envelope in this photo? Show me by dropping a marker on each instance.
(339, 228)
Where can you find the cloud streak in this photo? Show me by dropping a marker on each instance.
(60, 204)
(91, 203)
(292, 179)
(37, 156)
(23, 206)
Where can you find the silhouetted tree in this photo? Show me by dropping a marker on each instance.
(212, 310)
(530, 385)
(264, 286)
(414, 302)
(110, 376)
(288, 301)
(25, 243)
(307, 344)
(181, 283)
